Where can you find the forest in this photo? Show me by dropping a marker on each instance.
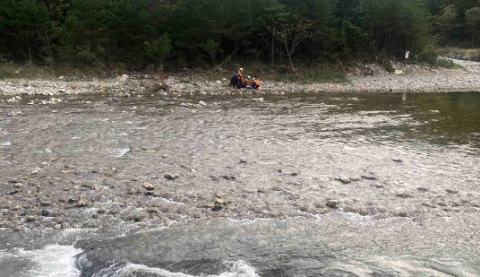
(175, 34)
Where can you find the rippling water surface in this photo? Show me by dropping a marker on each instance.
(411, 206)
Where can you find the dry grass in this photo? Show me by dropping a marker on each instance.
(461, 53)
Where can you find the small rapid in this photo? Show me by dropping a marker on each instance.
(50, 261)
(233, 269)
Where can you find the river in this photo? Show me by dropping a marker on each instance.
(295, 185)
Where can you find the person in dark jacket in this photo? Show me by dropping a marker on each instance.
(234, 80)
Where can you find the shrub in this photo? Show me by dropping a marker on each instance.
(429, 55)
(388, 66)
(445, 63)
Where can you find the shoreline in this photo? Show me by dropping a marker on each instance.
(413, 79)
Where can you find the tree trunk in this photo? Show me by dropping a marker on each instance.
(29, 50)
(289, 54)
(273, 51)
(291, 63)
(473, 36)
(49, 46)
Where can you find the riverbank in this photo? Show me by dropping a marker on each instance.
(368, 78)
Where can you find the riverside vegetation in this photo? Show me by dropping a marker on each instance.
(153, 35)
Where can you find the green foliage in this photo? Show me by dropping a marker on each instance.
(158, 49)
(472, 17)
(211, 47)
(21, 22)
(205, 33)
(445, 63)
(444, 23)
(429, 55)
(397, 26)
(388, 66)
(86, 36)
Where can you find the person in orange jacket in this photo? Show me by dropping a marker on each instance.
(256, 83)
(240, 76)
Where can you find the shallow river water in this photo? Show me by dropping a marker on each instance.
(306, 185)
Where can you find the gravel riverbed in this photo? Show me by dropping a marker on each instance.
(413, 78)
(96, 162)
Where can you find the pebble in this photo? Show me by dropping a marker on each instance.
(451, 191)
(344, 179)
(332, 204)
(404, 195)
(137, 216)
(371, 178)
(170, 176)
(355, 178)
(229, 177)
(429, 205)
(45, 203)
(146, 186)
(82, 203)
(218, 203)
(45, 213)
(18, 185)
(401, 214)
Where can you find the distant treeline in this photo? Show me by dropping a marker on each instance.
(202, 33)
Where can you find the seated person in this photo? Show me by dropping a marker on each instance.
(255, 83)
(246, 82)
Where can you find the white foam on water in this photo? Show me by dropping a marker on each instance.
(5, 143)
(52, 261)
(122, 151)
(236, 269)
